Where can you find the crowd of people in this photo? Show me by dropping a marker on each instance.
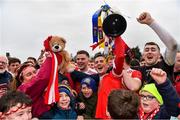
(97, 87)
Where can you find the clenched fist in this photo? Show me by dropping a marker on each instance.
(145, 18)
(158, 75)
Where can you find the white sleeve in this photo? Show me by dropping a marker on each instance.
(168, 40)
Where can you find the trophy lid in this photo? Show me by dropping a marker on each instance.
(114, 25)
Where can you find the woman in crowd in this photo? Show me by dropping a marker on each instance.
(34, 83)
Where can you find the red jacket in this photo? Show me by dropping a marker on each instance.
(107, 84)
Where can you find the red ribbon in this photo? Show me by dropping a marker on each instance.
(97, 44)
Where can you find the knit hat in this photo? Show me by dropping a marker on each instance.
(151, 88)
(66, 89)
(90, 82)
(69, 92)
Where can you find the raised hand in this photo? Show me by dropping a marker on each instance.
(48, 54)
(158, 75)
(145, 18)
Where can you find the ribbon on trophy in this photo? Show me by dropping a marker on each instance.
(99, 38)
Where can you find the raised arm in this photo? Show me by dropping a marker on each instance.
(167, 92)
(78, 76)
(132, 79)
(40, 82)
(119, 56)
(166, 38)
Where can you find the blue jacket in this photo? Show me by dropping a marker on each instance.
(57, 113)
(171, 100)
(5, 77)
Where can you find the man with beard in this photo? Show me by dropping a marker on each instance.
(151, 52)
(5, 76)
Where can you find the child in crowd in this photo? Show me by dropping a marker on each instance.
(87, 98)
(65, 108)
(159, 100)
(15, 105)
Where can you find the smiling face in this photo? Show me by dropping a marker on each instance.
(100, 65)
(151, 54)
(64, 101)
(82, 61)
(148, 102)
(86, 91)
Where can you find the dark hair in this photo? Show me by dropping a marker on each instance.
(32, 58)
(152, 43)
(14, 60)
(123, 104)
(12, 98)
(99, 54)
(91, 60)
(134, 63)
(83, 52)
(19, 76)
(127, 59)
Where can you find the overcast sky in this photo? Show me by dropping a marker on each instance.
(25, 24)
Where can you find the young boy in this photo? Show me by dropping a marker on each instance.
(15, 105)
(159, 100)
(87, 98)
(64, 108)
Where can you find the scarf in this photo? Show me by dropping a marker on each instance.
(147, 116)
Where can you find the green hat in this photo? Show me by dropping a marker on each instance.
(151, 88)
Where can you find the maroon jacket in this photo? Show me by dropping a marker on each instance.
(35, 89)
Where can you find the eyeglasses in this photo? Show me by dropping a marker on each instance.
(147, 97)
(3, 63)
